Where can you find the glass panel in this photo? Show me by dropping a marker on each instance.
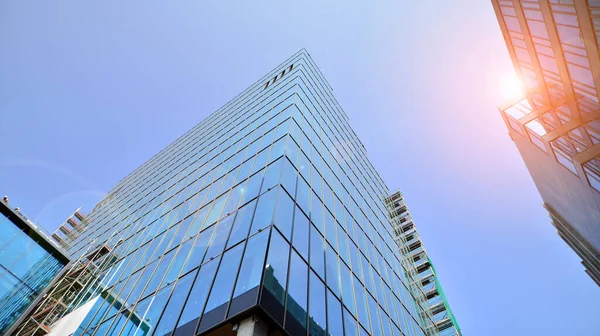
(333, 274)
(275, 277)
(350, 324)
(219, 237)
(335, 326)
(316, 308)
(317, 252)
(284, 213)
(197, 254)
(301, 228)
(225, 279)
(195, 303)
(169, 318)
(264, 211)
(297, 294)
(253, 264)
(242, 224)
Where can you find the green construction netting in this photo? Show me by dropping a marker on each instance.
(439, 288)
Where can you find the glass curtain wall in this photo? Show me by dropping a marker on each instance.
(270, 201)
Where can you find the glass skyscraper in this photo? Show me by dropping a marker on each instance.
(554, 48)
(266, 218)
(29, 262)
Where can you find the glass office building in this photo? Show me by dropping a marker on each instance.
(553, 45)
(29, 262)
(267, 210)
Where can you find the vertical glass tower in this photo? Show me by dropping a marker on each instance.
(267, 211)
(554, 47)
(29, 262)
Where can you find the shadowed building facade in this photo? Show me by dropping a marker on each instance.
(266, 218)
(553, 45)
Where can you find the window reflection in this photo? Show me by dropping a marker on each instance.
(297, 296)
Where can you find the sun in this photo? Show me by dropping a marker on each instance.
(511, 87)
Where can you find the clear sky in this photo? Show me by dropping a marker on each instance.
(91, 90)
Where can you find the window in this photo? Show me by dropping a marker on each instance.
(297, 296)
(334, 316)
(195, 303)
(275, 277)
(241, 225)
(284, 213)
(250, 272)
(264, 211)
(222, 288)
(317, 252)
(169, 318)
(301, 229)
(316, 310)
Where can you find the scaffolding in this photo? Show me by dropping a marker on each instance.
(436, 313)
(80, 283)
(71, 229)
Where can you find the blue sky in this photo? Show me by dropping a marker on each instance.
(89, 91)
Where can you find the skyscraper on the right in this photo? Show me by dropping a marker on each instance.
(553, 45)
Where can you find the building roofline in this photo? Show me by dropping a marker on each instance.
(33, 231)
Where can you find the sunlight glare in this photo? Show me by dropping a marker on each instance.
(511, 87)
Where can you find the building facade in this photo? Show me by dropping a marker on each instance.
(266, 218)
(29, 263)
(553, 45)
(436, 309)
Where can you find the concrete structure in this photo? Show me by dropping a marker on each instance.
(556, 126)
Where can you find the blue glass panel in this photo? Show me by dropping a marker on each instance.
(289, 177)
(317, 252)
(219, 237)
(253, 264)
(264, 211)
(169, 317)
(335, 325)
(195, 303)
(350, 325)
(223, 285)
(284, 213)
(297, 295)
(316, 310)
(333, 273)
(301, 232)
(241, 226)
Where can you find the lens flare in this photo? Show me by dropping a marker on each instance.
(511, 87)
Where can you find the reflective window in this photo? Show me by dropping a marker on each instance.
(317, 319)
(200, 244)
(297, 296)
(301, 229)
(335, 326)
(241, 225)
(169, 317)
(223, 285)
(333, 273)
(219, 237)
(152, 307)
(350, 325)
(275, 277)
(288, 177)
(317, 252)
(264, 211)
(284, 213)
(195, 303)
